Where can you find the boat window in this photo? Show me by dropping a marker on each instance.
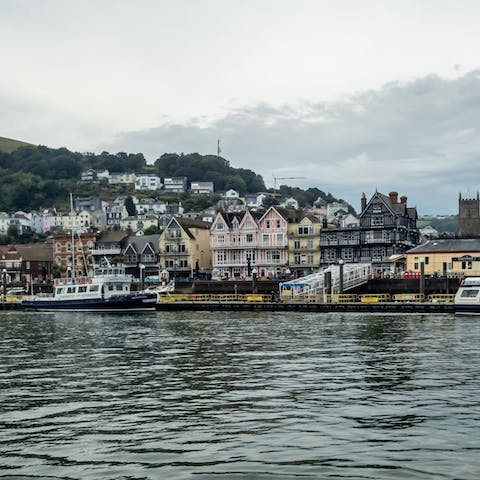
(59, 291)
(470, 293)
(110, 287)
(94, 288)
(82, 289)
(71, 290)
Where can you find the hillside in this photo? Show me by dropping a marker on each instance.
(37, 176)
(9, 145)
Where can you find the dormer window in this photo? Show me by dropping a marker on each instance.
(219, 226)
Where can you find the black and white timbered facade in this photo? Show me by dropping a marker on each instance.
(387, 227)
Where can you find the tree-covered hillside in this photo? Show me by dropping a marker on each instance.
(37, 176)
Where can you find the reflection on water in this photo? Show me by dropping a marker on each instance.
(243, 396)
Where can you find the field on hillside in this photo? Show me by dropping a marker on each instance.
(9, 145)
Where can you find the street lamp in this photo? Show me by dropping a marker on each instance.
(4, 278)
(141, 267)
(340, 264)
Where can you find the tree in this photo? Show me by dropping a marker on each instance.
(130, 206)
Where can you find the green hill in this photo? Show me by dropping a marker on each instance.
(9, 145)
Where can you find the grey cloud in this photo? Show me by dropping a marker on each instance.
(420, 138)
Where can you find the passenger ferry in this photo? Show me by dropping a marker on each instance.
(467, 298)
(107, 290)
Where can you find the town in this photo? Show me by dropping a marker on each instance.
(264, 235)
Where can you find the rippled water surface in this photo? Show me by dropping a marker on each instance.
(239, 396)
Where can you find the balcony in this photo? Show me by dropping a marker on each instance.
(107, 251)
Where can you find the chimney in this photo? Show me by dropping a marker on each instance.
(403, 199)
(363, 202)
(393, 197)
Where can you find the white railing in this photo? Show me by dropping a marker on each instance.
(354, 274)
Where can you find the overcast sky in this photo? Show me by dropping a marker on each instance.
(352, 95)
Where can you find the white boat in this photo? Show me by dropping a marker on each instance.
(467, 298)
(109, 289)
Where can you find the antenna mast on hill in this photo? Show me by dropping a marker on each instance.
(219, 150)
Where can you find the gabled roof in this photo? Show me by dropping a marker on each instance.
(39, 252)
(111, 236)
(138, 243)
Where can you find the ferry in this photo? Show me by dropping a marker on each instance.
(467, 298)
(108, 289)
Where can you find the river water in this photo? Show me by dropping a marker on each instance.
(239, 396)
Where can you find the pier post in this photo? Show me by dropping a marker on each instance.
(422, 278)
(327, 283)
(254, 281)
(340, 264)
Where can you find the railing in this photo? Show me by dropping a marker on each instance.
(217, 298)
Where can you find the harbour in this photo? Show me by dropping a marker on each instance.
(243, 395)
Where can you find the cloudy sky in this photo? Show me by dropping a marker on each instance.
(351, 95)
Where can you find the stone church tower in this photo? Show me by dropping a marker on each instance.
(468, 216)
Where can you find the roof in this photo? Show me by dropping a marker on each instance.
(39, 252)
(139, 242)
(111, 236)
(448, 245)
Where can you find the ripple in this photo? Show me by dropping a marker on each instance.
(256, 396)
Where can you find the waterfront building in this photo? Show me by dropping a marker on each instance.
(246, 240)
(459, 257)
(109, 246)
(387, 228)
(141, 255)
(36, 262)
(304, 244)
(184, 248)
(74, 256)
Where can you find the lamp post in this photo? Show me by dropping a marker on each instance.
(141, 266)
(254, 280)
(340, 264)
(4, 279)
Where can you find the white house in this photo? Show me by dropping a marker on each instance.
(175, 184)
(146, 181)
(121, 179)
(201, 188)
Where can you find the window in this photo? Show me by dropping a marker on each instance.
(79, 247)
(221, 239)
(82, 289)
(469, 293)
(58, 260)
(219, 226)
(278, 224)
(69, 247)
(305, 230)
(377, 220)
(310, 244)
(90, 245)
(266, 239)
(249, 237)
(296, 244)
(267, 224)
(94, 288)
(348, 254)
(181, 248)
(58, 247)
(279, 238)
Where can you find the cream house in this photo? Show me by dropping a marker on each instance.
(452, 256)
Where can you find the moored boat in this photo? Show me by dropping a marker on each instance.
(108, 289)
(467, 298)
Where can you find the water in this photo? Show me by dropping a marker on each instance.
(239, 396)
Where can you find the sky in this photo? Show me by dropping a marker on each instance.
(351, 96)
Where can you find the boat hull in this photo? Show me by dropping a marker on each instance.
(124, 303)
(467, 309)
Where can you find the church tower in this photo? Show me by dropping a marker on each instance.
(468, 217)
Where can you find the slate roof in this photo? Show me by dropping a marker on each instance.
(448, 245)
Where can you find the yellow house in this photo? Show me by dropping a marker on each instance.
(184, 248)
(453, 256)
(304, 244)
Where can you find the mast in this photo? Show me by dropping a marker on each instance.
(73, 239)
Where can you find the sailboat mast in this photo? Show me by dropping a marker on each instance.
(73, 238)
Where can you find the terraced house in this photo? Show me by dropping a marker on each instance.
(244, 242)
(184, 248)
